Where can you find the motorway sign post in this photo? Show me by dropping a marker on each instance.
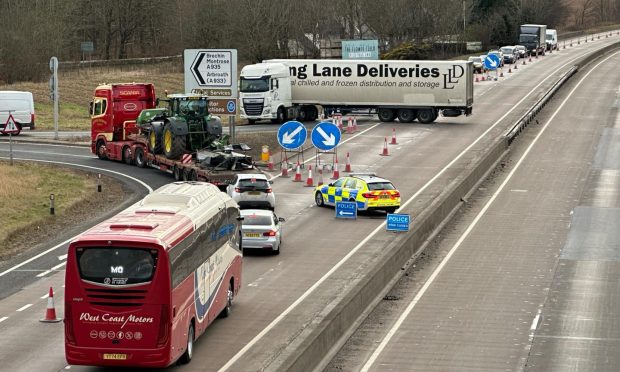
(10, 127)
(346, 210)
(397, 222)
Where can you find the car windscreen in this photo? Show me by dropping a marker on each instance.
(507, 50)
(381, 186)
(256, 220)
(116, 266)
(253, 183)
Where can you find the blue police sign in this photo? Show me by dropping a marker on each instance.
(397, 222)
(325, 136)
(292, 135)
(491, 62)
(346, 209)
(231, 106)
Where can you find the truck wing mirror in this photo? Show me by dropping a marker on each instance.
(90, 108)
(156, 102)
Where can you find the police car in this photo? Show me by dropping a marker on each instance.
(367, 190)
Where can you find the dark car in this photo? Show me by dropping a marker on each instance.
(510, 54)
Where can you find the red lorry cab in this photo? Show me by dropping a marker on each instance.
(115, 108)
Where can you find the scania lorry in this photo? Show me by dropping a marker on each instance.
(281, 90)
(533, 37)
(182, 138)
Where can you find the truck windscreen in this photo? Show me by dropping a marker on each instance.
(254, 85)
(527, 38)
(116, 266)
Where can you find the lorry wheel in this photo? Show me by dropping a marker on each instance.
(127, 155)
(174, 145)
(313, 113)
(177, 173)
(101, 150)
(406, 115)
(386, 114)
(139, 157)
(426, 116)
(154, 142)
(303, 114)
(282, 117)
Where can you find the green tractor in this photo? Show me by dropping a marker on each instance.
(184, 126)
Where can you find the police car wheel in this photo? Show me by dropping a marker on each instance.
(318, 199)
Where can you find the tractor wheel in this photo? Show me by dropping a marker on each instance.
(154, 142)
(174, 145)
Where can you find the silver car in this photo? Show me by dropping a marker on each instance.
(261, 229)
(251, 190)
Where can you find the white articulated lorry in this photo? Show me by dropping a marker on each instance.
(281, 90)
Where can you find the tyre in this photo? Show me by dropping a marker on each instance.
(139, 157)
(303, 114)
(127, 155)
(406, 115)
(154, 142)
(318, 199)
(189, 351)
(177, 173)
(174, 145)
(185, 174)
(276, 252)
(229, 300)
(426, 116)
(386, 115)
(101, 150)
(282, 117)
(313, 113)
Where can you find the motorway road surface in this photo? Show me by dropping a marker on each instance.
(529, 273)
(426, 159)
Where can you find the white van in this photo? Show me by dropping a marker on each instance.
(551, 36)
(20, 105)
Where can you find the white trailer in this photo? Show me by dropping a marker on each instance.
(281, 90)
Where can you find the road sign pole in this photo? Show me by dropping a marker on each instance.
(54, 70)
(11, 148)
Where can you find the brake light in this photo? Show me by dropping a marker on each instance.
(396, 194)
(237, 189)
(32, 118)
(162, 337)
(269, 191)
(368, 195)
(270, 233)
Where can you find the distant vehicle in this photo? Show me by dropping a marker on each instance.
(252, 190)
(499, 55)
(552, 39)
(533, 38)
(510, 54)
(20, 105)
(478, 64)
(142, 286)
(521, 50)
(367, 190)
(261, 229)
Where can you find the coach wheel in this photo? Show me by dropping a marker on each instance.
(229, 300)
(139, 157)
(177, 173)
(318, 199)
(127, 155)
(187, 356)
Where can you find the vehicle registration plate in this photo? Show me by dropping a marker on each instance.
(252, 235)
(115, 356)
(254, 193)
(384, 197)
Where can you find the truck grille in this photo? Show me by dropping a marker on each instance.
(253, 107)
(112, 297)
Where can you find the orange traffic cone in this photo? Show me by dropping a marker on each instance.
(347, 167)
(385, 148)
(355, 124)
(336, 173)
(509, 70)
(297, 174)
(350, 126)
(320, 177)
(393, 142)
(270, 163)
(309, 181)
(477, 79)
(284, 167)
(50, 312)
(516, 66)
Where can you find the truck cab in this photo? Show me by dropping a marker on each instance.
(265, 92)
(552, 39)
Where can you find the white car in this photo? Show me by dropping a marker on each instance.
(261, 229)
(252, 190)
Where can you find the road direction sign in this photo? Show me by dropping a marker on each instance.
(292, 135)
(491, 62)
(223, 106)
(346, 209)
(211, 69)
(325, 136)
(397, 222)
(10, 127)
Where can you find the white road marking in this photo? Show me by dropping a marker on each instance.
(45, 296)
(62, 257)
(3, 319)
(469, 229)
(24, 307)
(44, 273)
(381, 227)
(50, 145)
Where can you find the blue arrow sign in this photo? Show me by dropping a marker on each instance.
(397, 222)
(292, 135)
(346, 209)
(325, 136)
(491, 62)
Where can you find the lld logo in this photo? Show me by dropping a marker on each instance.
(452, 77)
